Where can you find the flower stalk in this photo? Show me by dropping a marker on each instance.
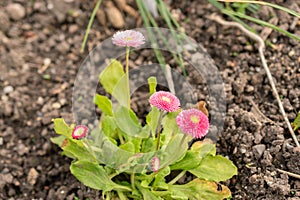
(127, 76)
(158, 129)
(181, 174)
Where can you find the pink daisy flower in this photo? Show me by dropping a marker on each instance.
(128, 38)
(155, 164)
(165, 101)
(79, 132)
(193, 122)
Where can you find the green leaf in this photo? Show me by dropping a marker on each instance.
(120, 91)
(152, 119)
(160, 181)
(137, 144)
(109, 127)
(128, 146)
(296, 122)
(200, 190)
(61, 141)
(204, 148)
(62, 128)
(147, 194)
(58, 140)
(215, 168)
(92, 175)
(77, 149)
(173, 151)
(152, 84)
(170, 126)
(111, 75)
(191, 160)
(104, 104)
(148, 145)
(193, 157)
(128, 122)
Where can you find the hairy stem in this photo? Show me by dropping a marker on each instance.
(177, 177)
(158, 129)
(89, 147)
(127, 76)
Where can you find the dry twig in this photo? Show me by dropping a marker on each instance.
(289, 173)
(258, 110)
(169, 79)
(261, 48)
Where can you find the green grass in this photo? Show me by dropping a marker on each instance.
(239, 14)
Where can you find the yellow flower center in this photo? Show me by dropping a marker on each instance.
(195, 119)
(79, 131)
(128, 38)
(166, 99)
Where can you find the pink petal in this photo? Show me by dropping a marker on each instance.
(79, 132)
(193, 122)
(165, 101)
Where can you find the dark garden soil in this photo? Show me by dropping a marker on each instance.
(39, 57)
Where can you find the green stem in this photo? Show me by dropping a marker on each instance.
(174, 155)
(90, 25)
(114, 174)
(158, 130)
(177, 177)
(121, 195)
(127, 76)
(132, 180)
(122, 188)
(89, 147)
(120, 137)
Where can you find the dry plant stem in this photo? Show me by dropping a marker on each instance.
(169, 79)
(261, 48)
(289, 173)
(258, 110)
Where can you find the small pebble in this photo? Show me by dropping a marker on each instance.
(1, 141)
(47, 61)
(40, 101)
(259, 149)
(291, 53)
(249, 88)
(243, 150)
(56, 105)
(8, 89)
(62, 102)
(16, 11)
(32, 176)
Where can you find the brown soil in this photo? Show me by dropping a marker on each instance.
(34, 90)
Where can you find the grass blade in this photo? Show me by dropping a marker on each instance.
(263, 23)
(292, 12)
(90, 25)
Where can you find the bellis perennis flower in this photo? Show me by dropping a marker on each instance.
(128, 38)
(155, 164)
(165, 101)
(193, 122)
(79, 132)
